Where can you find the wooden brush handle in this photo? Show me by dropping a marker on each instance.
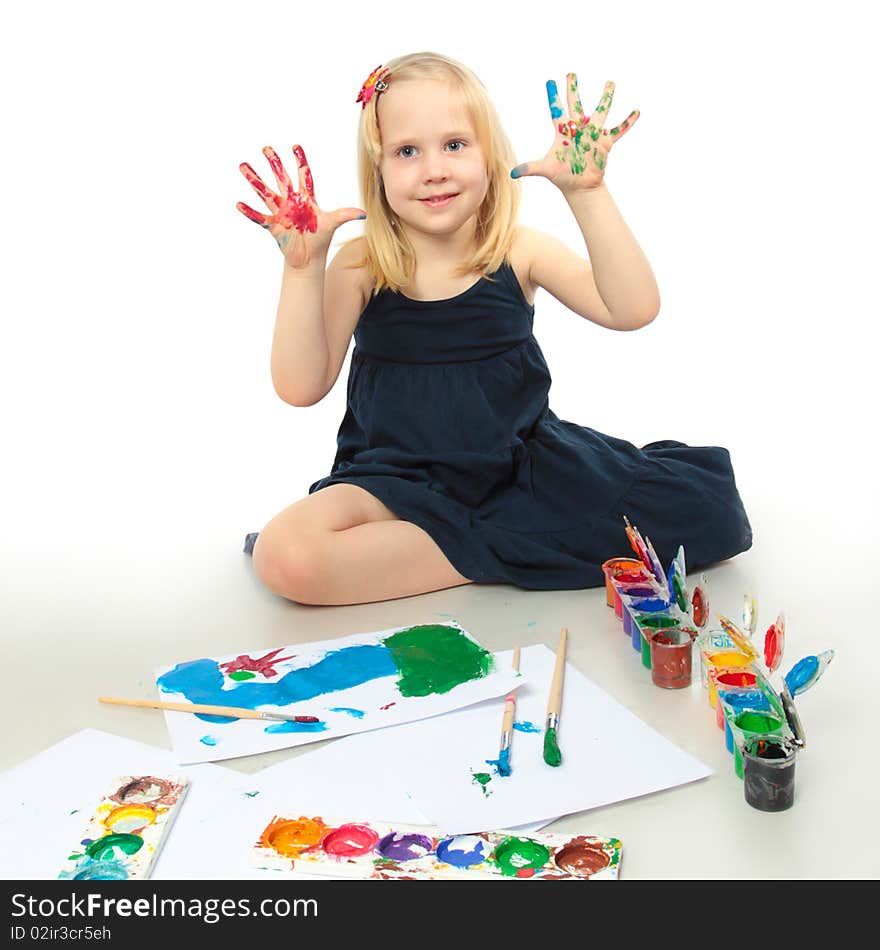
(554, 704)
(235, 711)
(510, 699)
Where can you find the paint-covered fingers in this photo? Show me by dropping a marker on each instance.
(609, 137)
(259, 186)
(556, 110)
(306, 185)
(604, 106)
(254, 216)
(285, 185)
(520, 171)
(575, 109)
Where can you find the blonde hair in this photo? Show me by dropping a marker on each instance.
(390, 256)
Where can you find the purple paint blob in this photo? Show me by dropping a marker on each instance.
(406, 847)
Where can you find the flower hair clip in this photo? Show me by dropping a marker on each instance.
(371, 86)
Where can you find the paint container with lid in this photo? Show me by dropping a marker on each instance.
(733, 702)
(710, 641)
(724, 660)
(628, 567)
(768, 772)
(731, 682)
(671, 658)
(751, 723)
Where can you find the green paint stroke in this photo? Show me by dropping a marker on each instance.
(434, 658)
(102, 848)
(482, 779)
(552, 755)
(242, 675)
(516, 857)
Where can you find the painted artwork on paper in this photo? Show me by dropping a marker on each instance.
(382, 851)
(126, 830)
(329, 688)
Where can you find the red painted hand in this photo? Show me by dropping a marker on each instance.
(576, 159)
(299, 226)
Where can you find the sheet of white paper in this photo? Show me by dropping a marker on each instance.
(46, 801)
(344, 778)
(608, 755)
(350, 684)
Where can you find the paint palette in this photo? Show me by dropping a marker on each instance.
(382, 851)
(126, 830)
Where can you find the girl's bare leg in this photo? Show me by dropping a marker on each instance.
(341, 545)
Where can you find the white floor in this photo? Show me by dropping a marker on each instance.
(81, 621)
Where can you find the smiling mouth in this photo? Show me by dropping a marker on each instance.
(439, 198)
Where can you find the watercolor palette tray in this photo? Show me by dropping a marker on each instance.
(127, 829)
(383, 851)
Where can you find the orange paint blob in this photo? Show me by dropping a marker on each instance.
(290, 837)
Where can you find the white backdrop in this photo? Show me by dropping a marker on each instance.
(138, 304)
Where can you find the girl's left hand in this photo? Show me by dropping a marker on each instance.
(576, 160)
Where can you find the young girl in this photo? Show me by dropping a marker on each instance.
(451, 468)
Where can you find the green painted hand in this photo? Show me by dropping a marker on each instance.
(577, 158)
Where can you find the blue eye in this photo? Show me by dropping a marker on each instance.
(452, 142)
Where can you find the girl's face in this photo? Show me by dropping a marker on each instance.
(429, 148)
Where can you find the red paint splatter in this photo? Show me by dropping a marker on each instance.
(388, 706)
(263, 664)
(525, 872)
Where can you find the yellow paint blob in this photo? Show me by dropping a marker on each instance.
(130, 819)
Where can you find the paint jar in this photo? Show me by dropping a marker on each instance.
(752, 723)
(710, 641)
(734, 702)
(620, 565)
(768, 772)
(671, 658)
(724, 660)
(731, 681)
(627, 622)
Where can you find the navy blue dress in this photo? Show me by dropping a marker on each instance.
(448, 423)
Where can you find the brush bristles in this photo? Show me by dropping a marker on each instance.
(552, 755)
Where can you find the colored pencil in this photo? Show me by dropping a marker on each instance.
(507, 724)
(237, 711)
(552, 755)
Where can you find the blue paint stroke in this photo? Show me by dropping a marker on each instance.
(357, 713)
(553, 99)
(526, 726)
(208, 740)
(297, 727)
(454, 851)
(503, 762)
(217, 720)
(201, 681)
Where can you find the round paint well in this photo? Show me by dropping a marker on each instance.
(291, 837)
(463, 851)
(349, 841)
(581, 858)
(751, 723)
(520, 857)
(404, 847)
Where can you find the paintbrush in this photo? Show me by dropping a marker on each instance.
(235, 711)
(507, 723)
(552, 755)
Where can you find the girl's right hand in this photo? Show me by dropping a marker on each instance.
(300, 227)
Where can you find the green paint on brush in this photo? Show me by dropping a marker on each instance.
(435, 658)
(552, 755)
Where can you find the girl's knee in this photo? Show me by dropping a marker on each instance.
(296, 569)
